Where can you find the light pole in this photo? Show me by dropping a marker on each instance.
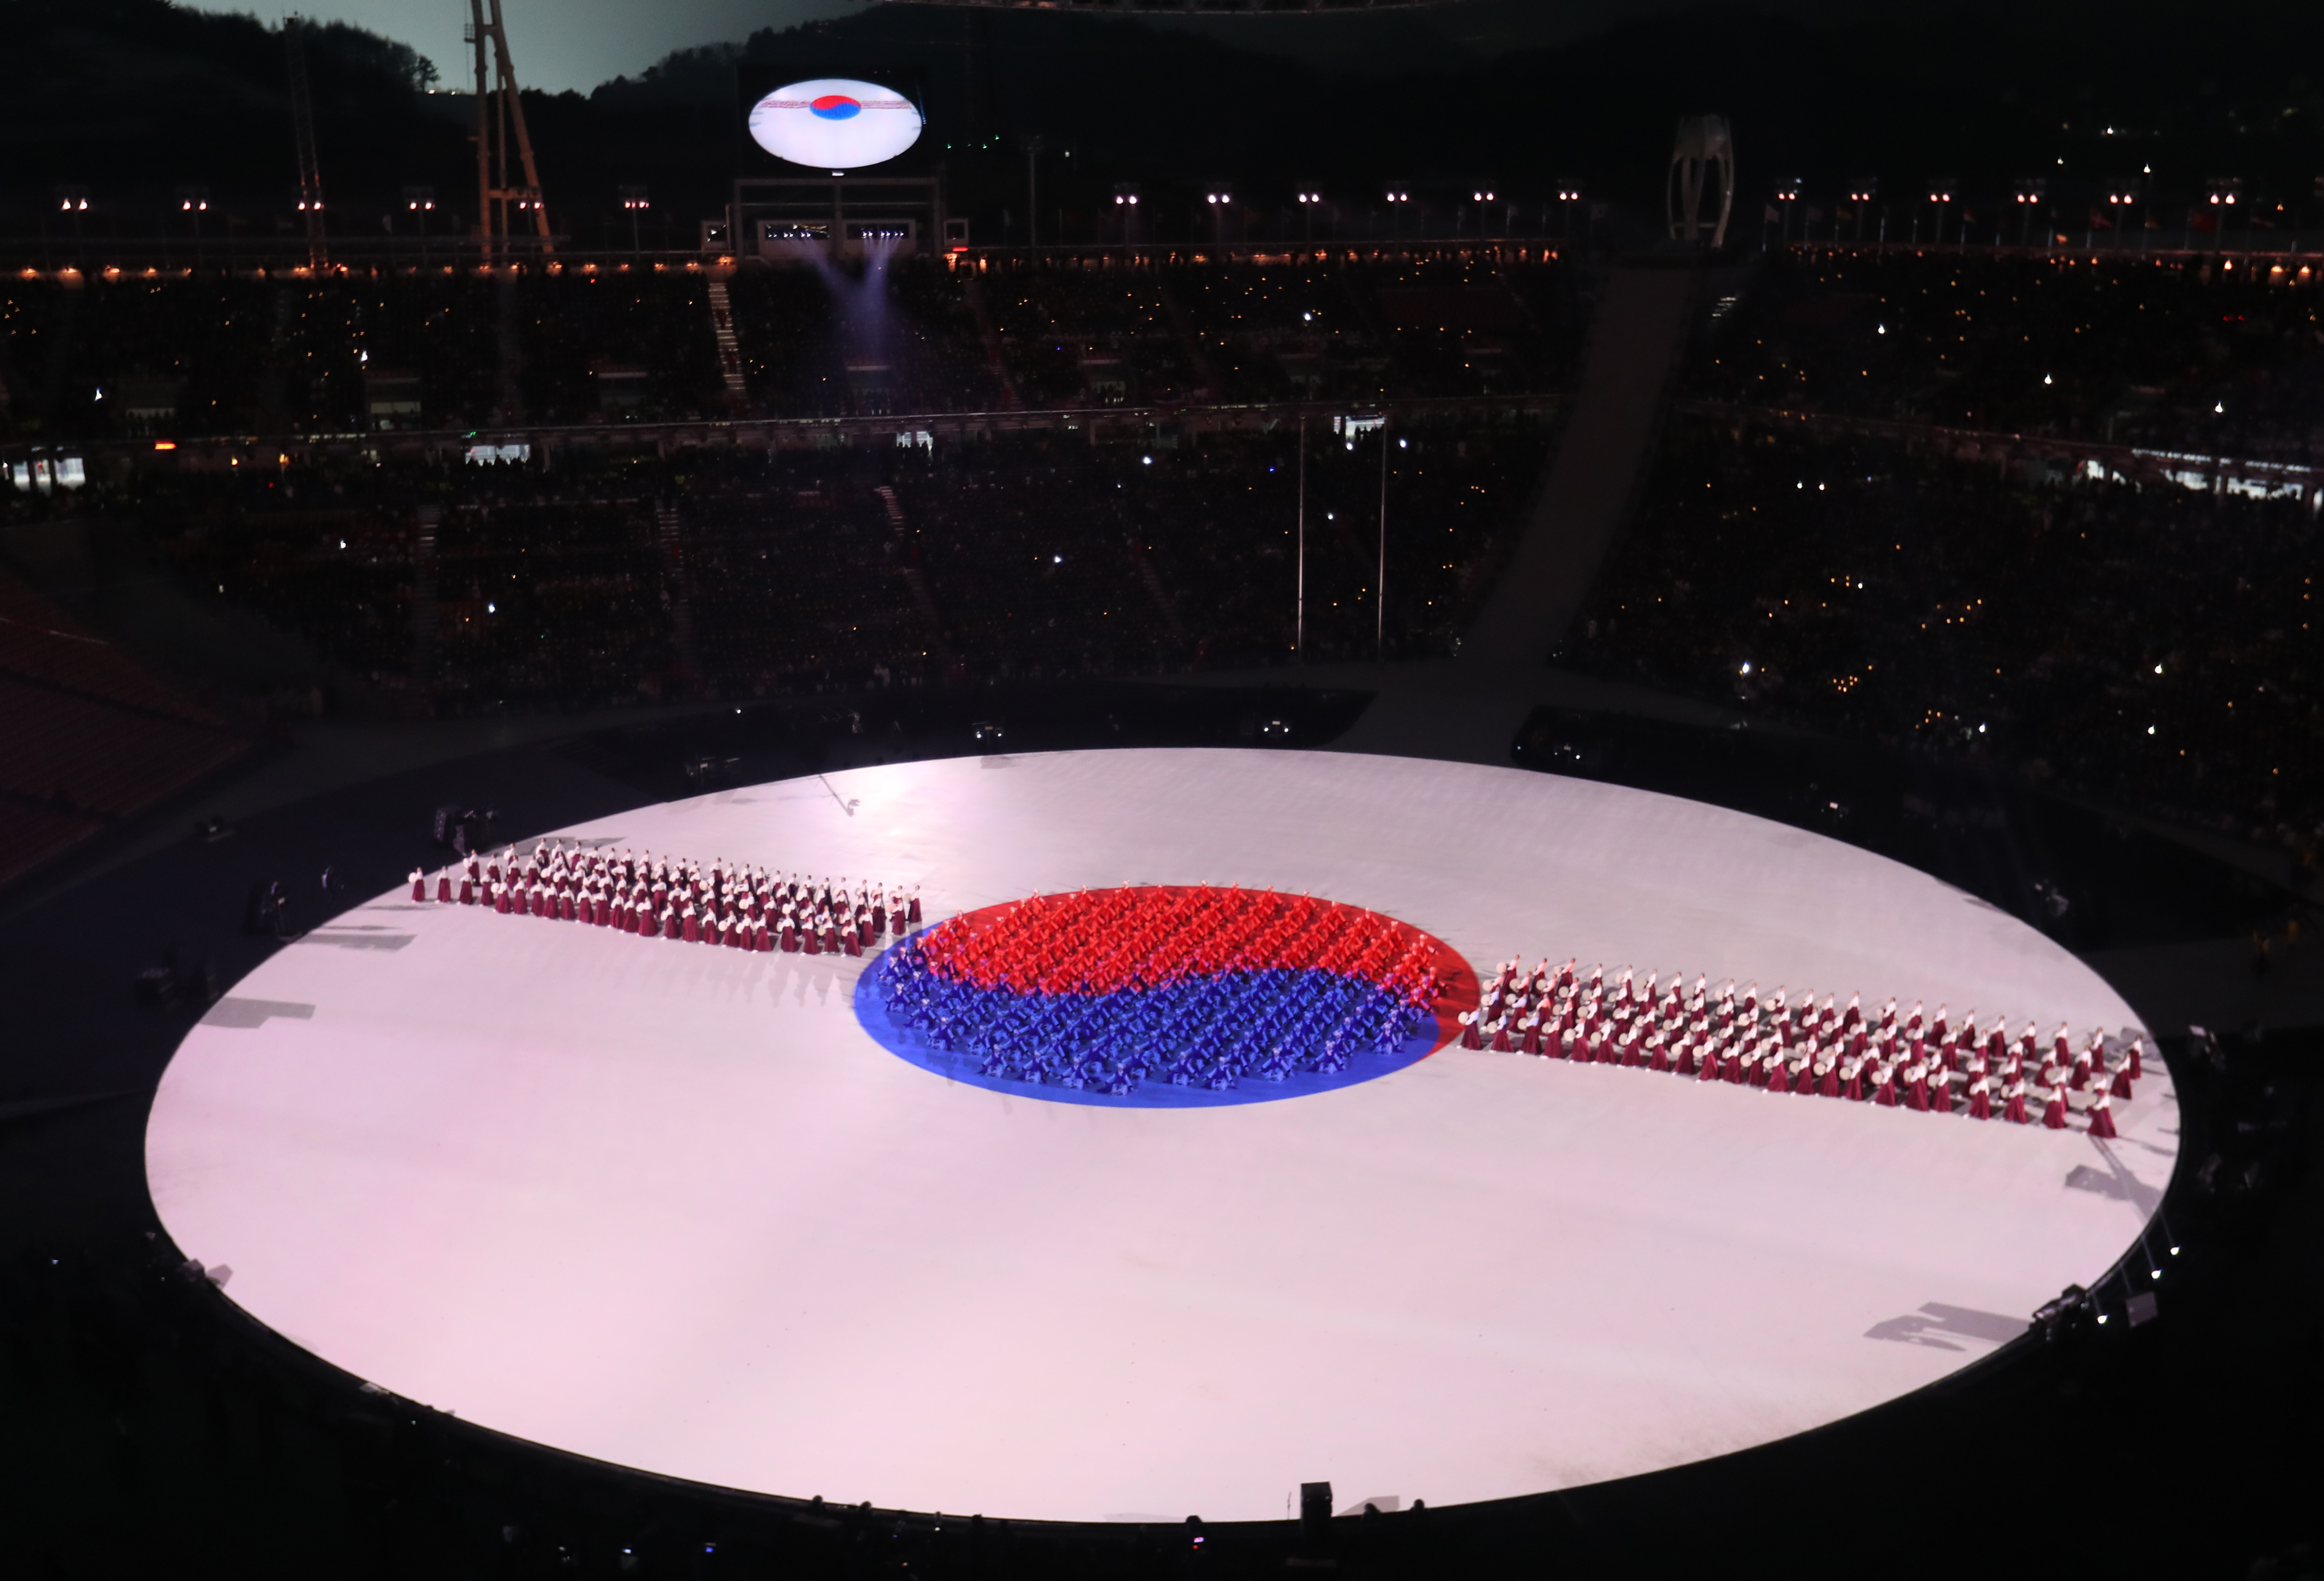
(1379, 619)
(194, 202)
(1299, 593)
(2030, 193)
(1396, 195)
(2224, 192)
(1567, 197)
(1033, 146)
(1787, 193)
(635, 202)
(1125, 198)
(2122, 199)
(1219, 199)
(74, 201)
(1480, 197)
(1307, 202)
(419, 202)
(1941, 198)
(1860, 198)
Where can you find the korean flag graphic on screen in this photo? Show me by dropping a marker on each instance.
(834, 122)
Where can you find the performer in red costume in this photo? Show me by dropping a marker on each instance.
(2100, 1114)
(2053, 1103)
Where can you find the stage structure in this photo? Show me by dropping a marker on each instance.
(707, 1165)
(1702, 142)
(500, 113)
(803, 136)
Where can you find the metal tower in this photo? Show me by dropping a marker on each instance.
(499, 112)
(302, 130)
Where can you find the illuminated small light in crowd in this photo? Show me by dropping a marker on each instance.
(1880, 330)
(2045, 378)
(1057, 560)
(1147, 459)
(2150, 729)
(1404, 444)
(2220, 407)
(1746, 667)
(491, 609)
(2158, 670)
(1980, 730)
(343, 544)
(2102, 1317)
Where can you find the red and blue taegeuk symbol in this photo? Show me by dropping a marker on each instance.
(1159, 997)
(835, 106)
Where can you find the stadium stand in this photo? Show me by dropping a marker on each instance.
(2149, 645)
(89, 737)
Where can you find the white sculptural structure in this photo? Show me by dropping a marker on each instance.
(1702, 141)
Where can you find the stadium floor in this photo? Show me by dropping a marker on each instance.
(676, 1209)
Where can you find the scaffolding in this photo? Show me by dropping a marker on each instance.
(302, 132)
(499, 116)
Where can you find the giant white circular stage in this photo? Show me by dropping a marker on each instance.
(674, 1206)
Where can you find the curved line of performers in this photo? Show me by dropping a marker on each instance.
(1915, 1062)
(722, 904)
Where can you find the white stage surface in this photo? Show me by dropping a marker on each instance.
(673, 1207)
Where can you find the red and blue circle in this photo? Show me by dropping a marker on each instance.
(835, 106)
(1163, 996)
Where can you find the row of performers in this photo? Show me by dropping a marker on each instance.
(1908, 1062)
(743, 909)
(1622, 997)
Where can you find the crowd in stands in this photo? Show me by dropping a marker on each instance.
(192, 355)
(91, 737)
(2218, 355)
(1926, 1063)
(2141, 641)
(606, 346)
(2129, 637)
(591, 578)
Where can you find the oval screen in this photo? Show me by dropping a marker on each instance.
(834, 122)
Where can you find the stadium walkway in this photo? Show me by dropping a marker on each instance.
(1471, 709)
